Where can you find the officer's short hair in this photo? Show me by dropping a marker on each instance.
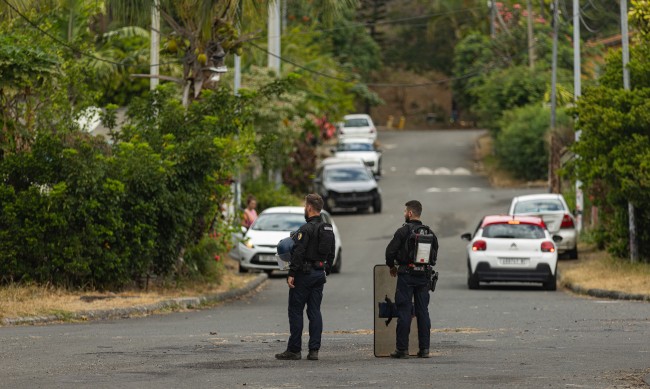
(315, 201)
(415, 207)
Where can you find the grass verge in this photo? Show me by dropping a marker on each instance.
(599, 270)
(33, 300)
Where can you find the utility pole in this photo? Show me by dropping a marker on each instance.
(577, 91)
(493, 15)
(634, 248)
(553, 92)
(531, 37)
(274, 36)
(154, 57)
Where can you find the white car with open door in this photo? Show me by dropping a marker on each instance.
(257, 248)
(511, 249)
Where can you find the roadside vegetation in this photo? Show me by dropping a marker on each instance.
(143, 208)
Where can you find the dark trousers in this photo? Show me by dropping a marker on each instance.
(308, 291)
(412, 288)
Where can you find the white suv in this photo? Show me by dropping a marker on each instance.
(358, 125)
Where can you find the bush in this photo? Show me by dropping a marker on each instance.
(203, 261)
(521, 146)
(268, 195)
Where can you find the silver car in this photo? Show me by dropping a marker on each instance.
(553, 209)
(256, 249)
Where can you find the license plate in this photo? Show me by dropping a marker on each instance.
(513, 261)
(267, 258)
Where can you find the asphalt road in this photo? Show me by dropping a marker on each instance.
(499, 336)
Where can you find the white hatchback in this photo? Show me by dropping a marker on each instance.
(511, 249)
(358, 125)
(553, 209)
(360, 148)
(257, 248)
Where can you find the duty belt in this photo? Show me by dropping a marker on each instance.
(412, 268)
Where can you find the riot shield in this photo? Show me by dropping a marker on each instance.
(385, 335)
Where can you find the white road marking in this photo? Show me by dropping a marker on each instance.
(461, 171)
(393, 168)
(423, 171)
(389, 146)
(454, 189)
(474, 189)
(442, 171)
(434, 190)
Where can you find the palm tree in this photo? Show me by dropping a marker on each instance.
(203, 32)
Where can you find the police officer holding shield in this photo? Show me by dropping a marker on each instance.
(311, 258)
(412, 286)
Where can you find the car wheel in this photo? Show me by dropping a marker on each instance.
(268, 272)
(376, 205)
(551, 284)
(362, 209)
(242, 269)
(337, 267)
(572, 254)
(472, 279)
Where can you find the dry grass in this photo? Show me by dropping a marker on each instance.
(598, 270)
(32, 300)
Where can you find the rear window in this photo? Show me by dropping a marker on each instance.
(359, 122)
(354, 147)
(347, 174)
(279, 222)
(513, 231)
(536, 206)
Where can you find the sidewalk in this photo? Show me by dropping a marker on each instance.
(171, 304)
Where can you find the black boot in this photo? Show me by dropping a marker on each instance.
(424, 353)
(289, 356)
(313, 355)
(402, 354)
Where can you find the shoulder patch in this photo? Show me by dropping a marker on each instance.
(326, 228)
(299, 235)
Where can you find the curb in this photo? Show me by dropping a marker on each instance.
(609, 294)
(104, 314)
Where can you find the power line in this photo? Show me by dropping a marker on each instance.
(72, 48)
(388, 21)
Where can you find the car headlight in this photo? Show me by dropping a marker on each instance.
(249, 244)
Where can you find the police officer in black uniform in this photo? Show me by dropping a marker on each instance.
(311, 258)
(411, 286)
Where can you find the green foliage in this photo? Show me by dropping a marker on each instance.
(522, 145)
(507, 89)
(203, 262)
(638, 66)
(268, 194)
(614, 150)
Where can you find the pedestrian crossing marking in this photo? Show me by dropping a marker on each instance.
(442, 171)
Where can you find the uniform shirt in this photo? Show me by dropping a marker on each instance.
(306, 245)
(396, 250)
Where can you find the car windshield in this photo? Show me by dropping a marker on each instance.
(354, 147)
(513, 231)
(535, 206)
(347, 174)
(357, 122)
(279, 222)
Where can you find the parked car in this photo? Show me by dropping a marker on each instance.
(257, 247)
(360, 148)
(357, 125)
(557, 217)
(347, 183)
(511, 249)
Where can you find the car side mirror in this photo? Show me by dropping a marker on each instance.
(377, 177)
(557, 238)
(466, 236)
(243, 229)
(333, 150)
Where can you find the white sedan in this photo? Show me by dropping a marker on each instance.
(555, 212)
(360, 148)
(358, 125)
(511, 249)
(257, 248)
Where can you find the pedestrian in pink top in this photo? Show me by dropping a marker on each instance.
(250, 214)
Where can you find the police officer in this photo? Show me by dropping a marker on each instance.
(311, 259)
(411, 286)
